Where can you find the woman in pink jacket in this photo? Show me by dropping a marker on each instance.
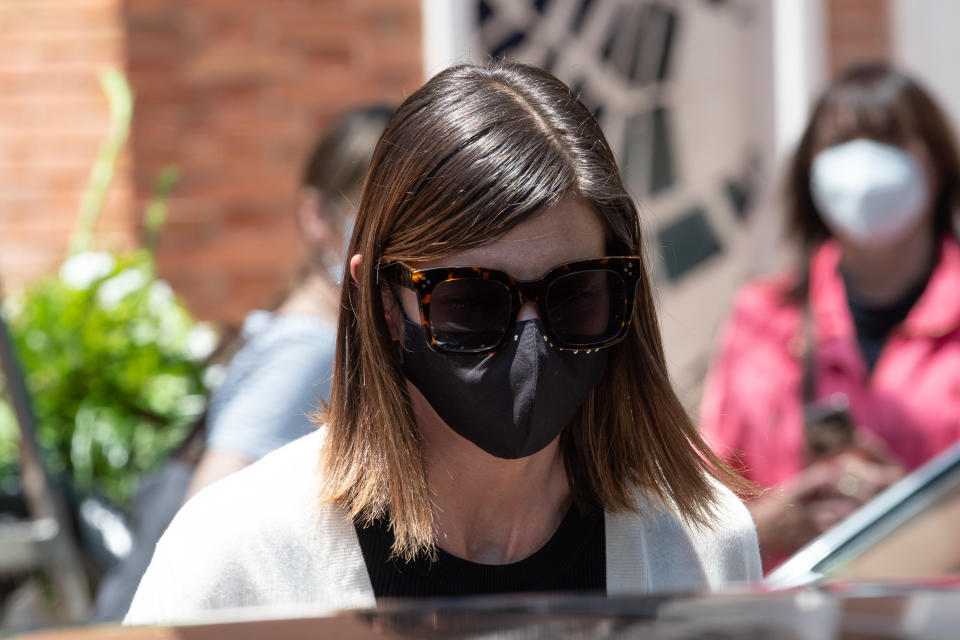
(834, 380)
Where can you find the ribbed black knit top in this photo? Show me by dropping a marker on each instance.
(574, 559)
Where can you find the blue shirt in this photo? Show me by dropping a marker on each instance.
(273, 384)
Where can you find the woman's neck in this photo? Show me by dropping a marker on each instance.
(881, 277)
(490, 510)
(315, 295)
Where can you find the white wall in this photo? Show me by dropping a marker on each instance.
(783, 58)
(926, 44)
(789, 72)
(447, 34)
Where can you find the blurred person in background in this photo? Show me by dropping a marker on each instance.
(282, 370)
(501, 418)
(273, 383)
(834, 380)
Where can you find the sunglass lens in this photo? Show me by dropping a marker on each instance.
(586, 307)
(469, 314)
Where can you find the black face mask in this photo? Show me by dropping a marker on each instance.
(510, 403)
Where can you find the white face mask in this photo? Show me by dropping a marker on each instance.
(871, 193)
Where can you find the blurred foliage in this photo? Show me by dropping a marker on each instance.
(113, 361)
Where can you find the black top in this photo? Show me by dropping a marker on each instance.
(574, 559)
(873, 324)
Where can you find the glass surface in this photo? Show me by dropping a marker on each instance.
(908, 532)
(469, 313)
(880, 613)
(926, 545)
(586, 307)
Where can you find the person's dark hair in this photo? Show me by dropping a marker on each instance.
(471, 154)
(334, 170)
(341, 156)
(878, 102)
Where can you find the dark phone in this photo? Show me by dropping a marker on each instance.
(828, 430)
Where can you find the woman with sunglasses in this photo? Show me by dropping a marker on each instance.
(501, 419)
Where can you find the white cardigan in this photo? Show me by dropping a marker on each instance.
(259, 539)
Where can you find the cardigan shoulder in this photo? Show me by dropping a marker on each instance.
(257, 538)
(656, 551)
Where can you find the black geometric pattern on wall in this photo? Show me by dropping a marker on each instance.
(687, 242)
(634, 43)
(648, 148)
(639, 43)
(740, 188)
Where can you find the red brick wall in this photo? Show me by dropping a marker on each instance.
(53, 116)
(857, 30)
(232, 93)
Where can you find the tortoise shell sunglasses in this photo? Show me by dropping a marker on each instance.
(584, 305)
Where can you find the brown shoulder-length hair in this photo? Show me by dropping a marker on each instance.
(468, 156)
(874, 101)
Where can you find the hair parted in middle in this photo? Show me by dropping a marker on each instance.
(471, 154)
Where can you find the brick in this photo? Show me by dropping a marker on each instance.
(37, 116)
(153, 46)
(293, 31)
(66, 16)
(857, 30)
(156, 90)
(276, 246)
(23, 264)
(143, 14)
(41, 83)
(66, 53)
(179, 236)
(237, 63)
(251, 218)
(41, 150)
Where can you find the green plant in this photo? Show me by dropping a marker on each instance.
(113, 361)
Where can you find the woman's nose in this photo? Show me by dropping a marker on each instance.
(528, 312)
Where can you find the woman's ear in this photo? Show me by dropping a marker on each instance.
(312, 218)
(391, 309)
(355, 261)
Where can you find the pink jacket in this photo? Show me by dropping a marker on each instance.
(751, 408)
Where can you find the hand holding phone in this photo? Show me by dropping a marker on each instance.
(828, 430)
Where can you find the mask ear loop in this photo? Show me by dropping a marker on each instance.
(400, 347)
(398, 344)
